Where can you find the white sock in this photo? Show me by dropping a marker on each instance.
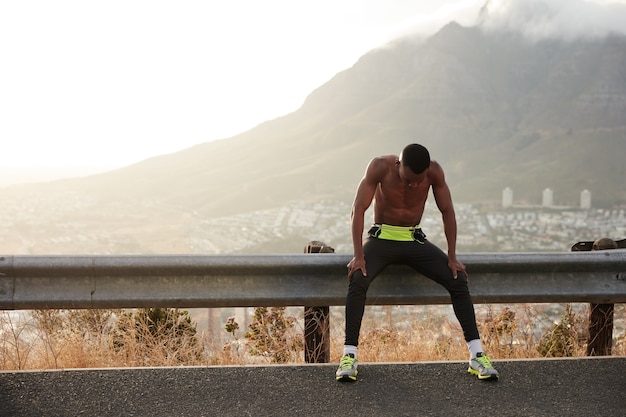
(475, 347)
(349, 349)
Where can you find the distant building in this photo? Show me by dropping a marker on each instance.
(507, 197)
(547, 199)
(585, 199)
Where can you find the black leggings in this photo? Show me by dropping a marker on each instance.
(428, 260)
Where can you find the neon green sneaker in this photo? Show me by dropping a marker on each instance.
(481, 367)
(347, 368)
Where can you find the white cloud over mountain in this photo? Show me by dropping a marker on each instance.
(568, 19)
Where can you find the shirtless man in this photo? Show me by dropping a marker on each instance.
(399, 187)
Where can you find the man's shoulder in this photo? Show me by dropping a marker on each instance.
(385, 160)
(380, 167)
(383, 164)
(435, 167)
(436, 174)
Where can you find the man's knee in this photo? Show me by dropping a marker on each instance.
(358, 284)
(458, 285)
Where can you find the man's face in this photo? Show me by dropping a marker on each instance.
(410, 179)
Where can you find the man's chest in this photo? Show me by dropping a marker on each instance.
(401, 196)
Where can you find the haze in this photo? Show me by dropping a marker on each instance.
(88, 87)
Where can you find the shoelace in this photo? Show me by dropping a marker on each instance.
(347, 362)
(484, 360)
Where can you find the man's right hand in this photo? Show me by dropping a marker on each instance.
(358, 262)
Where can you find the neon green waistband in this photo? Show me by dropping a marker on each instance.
(397, 233)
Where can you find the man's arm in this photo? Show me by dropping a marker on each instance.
(363, 199)
(443, 198)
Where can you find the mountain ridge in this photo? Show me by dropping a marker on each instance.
(495, 110)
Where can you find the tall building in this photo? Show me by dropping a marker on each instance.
(547, 199)
(507, 197)
(585, 199)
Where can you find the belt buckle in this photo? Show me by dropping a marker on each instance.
(418, 235)
(375, 230)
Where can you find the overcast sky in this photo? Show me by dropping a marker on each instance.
(108, 83)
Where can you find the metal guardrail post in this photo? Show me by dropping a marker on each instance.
(600, 342)
(316, 320)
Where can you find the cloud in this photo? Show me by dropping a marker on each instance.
(427, 23)
(564, 19)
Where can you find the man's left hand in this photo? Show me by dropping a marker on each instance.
(456, 266)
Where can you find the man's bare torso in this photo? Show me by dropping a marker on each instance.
(395, 203)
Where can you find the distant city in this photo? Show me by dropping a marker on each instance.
(547, 199)
(72, 224)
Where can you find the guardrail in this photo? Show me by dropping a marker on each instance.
(188, 281)
(213, 281)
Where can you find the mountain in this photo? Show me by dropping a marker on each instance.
(495, 110)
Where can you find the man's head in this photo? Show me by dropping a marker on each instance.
(412, 165)
(416, 157)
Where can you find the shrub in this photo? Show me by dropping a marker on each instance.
(157, 336)
(271, 335)
(564, 339)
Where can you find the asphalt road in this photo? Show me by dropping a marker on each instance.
(587, 387)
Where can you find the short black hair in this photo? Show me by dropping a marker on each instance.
(416, 157)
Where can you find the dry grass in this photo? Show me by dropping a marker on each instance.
(52, 339)
(519, 331)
